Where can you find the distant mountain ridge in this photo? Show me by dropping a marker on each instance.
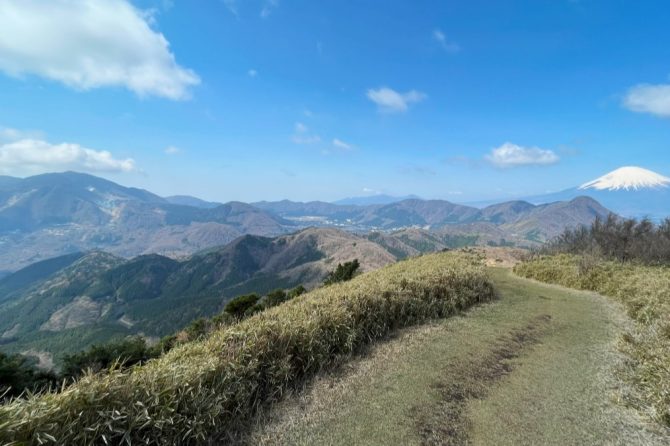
(440, 215)
(48, 215)
(187, 200)
(374, 199)
(54, 214)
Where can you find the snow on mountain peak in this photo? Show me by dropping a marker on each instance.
(628, 178)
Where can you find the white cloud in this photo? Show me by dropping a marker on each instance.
(31, 156)
(653, 99)
(172, 150)
(9, 134)
(252, 73)
(415, 170)
(167, 4)
(441, 38)
(232, 7)
(87, 44)
(512, 155)
(369, 190)
(391, 101)
(302, 135)
(268, 7)
(341, 145)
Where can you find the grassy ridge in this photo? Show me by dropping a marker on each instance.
(645, 292)
(200, 390)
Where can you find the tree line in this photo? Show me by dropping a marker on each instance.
(615, 238)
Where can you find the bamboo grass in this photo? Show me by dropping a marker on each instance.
(198, 392)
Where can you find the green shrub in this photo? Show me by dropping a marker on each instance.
(199, 392)
(343, 272)
(125, 352)
(18, 375)
(222, 319)
(166, 344)
(278, 297)
(253, 310)
(238, 306)
(297, 291)
(275, 298)
(645, 292)
(198, 328)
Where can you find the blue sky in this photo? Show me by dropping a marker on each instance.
(260, 99)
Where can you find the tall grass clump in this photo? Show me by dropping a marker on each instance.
(645, 292)
(203, 391)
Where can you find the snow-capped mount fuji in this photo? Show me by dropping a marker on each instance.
(629, 191)
(628, 178)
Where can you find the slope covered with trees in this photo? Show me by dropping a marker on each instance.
(97, 297)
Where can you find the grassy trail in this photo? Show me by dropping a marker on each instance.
(534, 367)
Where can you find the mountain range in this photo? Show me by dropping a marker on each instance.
(374, 199)
(70, 302)
(86, 260)
(67, 303)
(516, 221)
(53, 214)
(629, 191)
(50, 215)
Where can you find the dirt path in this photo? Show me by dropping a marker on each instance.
(535, 367)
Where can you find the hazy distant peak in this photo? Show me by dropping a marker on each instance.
(187, 200)
(373, 199)
(583, 199)
(628, 178)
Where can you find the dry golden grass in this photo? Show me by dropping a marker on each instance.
(500, 374)
(645, 292)
(203, 391)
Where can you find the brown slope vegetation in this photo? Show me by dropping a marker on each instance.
(414, 212)
(547, 221)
